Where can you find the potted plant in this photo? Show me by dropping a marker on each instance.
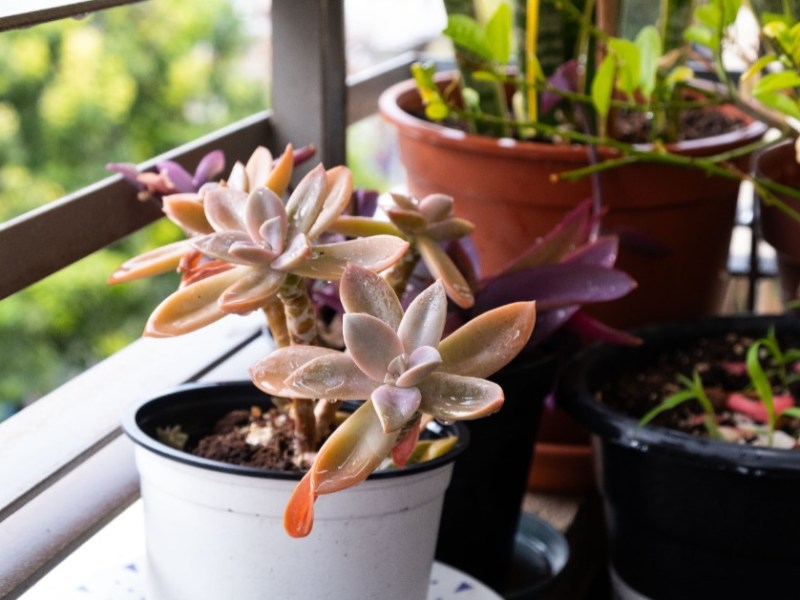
(696, 439)
(562, 134)
(566, 269)
(250, 251)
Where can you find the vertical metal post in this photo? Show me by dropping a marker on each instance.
(309, 94)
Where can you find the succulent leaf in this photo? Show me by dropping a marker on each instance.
(251, 291)
(191, 307)
(421, 362)
(211, 165)
(270, 372)
(156, 261)
(411, 222)
(187, 211)
(281, 174)
(436, 207)
(329, 260)
(218, 245)
(450, 229)
(395, 405)
(456, 398)
(224, 207)
(339, 186)
(489, 341)
(362, 290)
(296, 254)
(372, 344)
(258, 168)
(442, 267)
(262, 205)
(306, 201)
(423, 323)
(335, 376)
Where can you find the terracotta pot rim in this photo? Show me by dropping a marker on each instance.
(394, 99)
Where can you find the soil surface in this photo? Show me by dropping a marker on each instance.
(720, 362)
(252, 438)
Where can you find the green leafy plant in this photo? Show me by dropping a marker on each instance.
(762, 381)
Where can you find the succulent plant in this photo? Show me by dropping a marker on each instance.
(403, 368)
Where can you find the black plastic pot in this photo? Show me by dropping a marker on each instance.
(687, 517)
(482, 506)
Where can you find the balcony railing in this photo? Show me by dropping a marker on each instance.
(65, 468)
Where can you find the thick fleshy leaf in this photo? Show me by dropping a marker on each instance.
(273, 233)
(218, 245)
(270, 372)
(550, 321)
(421, 363)
(298, 251)
(191, 307)
(404, 202)
(364, 291)
(129, 171)
(372, 343)
(423, 323)
(258, 168)
(306, 201)
(395, 405)
(238, 178)
(457, 398)
(590, 328)
(450, 229)
(329, 260)
(556, 285)
(442, 267)
(224, 208)
(251, 291)
(347, 458)
(262, 205)
(409, 221)
(154, 262)
(211, 165)
(352, 452)
(177, 177)
(565, 78)
(489, 341)
(436, 207)
(250, 254)
(281, 174)
(188, 212)
(602, 252)
(571, 232)
(332, 377)
(339, 186)
(354, 226)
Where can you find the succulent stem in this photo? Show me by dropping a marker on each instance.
(399, 274)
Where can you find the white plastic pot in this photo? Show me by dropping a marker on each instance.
(216, 531)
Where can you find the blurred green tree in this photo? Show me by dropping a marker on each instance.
(122, 85)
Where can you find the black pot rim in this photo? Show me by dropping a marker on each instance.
(134, 424)
(614, 427)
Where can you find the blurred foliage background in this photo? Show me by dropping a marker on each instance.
(121, 85)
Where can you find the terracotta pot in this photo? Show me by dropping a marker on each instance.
(780, 231)
(674, 223)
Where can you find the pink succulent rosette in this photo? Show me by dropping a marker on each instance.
(399, 365)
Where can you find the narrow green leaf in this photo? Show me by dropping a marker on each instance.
(498, 34)
(628, 61)
(777, 81)
(758, 66)
(759, 378)
(467, 33)
(648, 41)
(603, 86)
(780, 102)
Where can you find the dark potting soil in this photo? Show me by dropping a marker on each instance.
(232, 438)
(720, 362)
(633, 127)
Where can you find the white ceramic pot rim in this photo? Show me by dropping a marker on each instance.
(141, 419)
